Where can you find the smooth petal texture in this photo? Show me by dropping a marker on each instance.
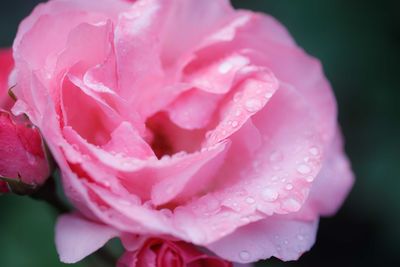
(176, 179)
(184, 16)
(76, 237)
(84, 113)
(127, 141)
(193, 109)
(184, 119)
(135, 35)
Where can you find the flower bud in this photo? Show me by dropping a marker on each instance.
(23, 162)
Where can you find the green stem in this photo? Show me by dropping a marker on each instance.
(48, 194)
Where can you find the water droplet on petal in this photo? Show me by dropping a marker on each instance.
(300, 237)
(309, 179)
(268, 95)
(253, 105)
(244, 255)
(250, 200)
(225, 67)
(235, 124)
(314, 151)
(291, 205)
(304, 169)
(289, 187)
(269, 195)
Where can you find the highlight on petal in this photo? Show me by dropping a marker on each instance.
(77, 237)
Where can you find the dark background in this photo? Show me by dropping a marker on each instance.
(358, 43)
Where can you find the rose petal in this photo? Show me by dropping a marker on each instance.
(182, 17)
(92, 40)
(142, 219)
(333, 183)
(179, 175)
(77, 238)
(135, 38)
(276, 236)
(193, 109)
(130, 260)
(254, 91)
(66, 8)
(213, 74)
(93, 119)
(261, 179)
(291, 65)
(64, 16)
(126, 141)
(156, 66)
(167, 253)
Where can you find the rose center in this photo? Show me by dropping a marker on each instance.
(166, 138)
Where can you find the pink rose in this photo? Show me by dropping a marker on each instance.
(6, 66)
(164, 253)
(21, 148)
(185, 119)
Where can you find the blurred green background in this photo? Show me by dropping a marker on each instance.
(358, 43)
